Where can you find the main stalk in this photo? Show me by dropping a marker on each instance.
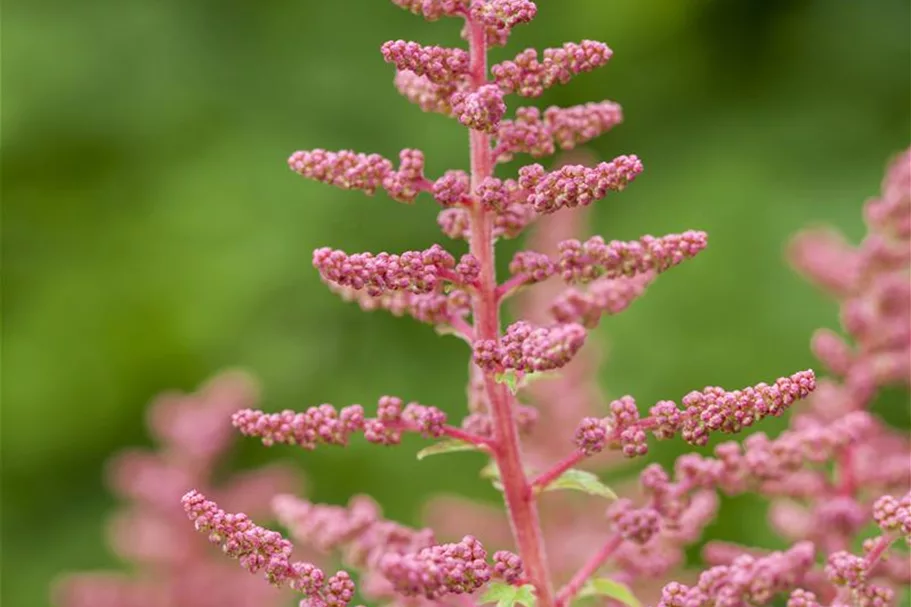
(520, 502)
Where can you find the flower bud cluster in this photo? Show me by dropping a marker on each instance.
(434, 9)
(260, 550)
(324, 424)
(576, 185)
(535, 267)
(712, 409)
(508, 566)
(528, 349)
(435, 571)
(747, 580)
(480, 110)
(499, 17)
(529, 133)
(413, 271)
(431, 308)
(584, 262)
(425, 94)
(602, 296)
(438, 64)
(637, 525)
(367, 172)
(528, 76)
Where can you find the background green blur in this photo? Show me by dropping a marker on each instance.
(153, 234)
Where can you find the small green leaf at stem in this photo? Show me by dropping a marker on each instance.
(581, 480)
(603, 586)
(492, 473)
(506, 596)
(515, 380)
(510, 378)
(447, 446)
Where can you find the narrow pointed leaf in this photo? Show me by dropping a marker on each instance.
(506, 596)
(447, 446)
(603, 586)
(582, 480)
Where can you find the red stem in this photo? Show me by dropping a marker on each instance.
(587, 570)
(882, 544)
(520, 504)
(548, 476)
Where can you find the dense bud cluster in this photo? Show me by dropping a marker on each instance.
(326, 425)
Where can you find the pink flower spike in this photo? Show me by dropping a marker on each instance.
(529, 77)
(584, 262)
(439, 65)
(576, 185)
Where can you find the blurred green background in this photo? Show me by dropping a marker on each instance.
(153, 234)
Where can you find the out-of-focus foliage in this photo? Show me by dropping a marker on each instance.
(153, 234)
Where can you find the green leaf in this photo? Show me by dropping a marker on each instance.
(492, 473)
(603, 586)
(510, 378)
(582, 480)
(515, 381)
(447, 446)
(507, 596)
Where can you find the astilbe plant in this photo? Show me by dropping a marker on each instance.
(819, 504)
(168, 567)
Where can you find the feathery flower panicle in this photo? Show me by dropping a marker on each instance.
(584, 262)
(168, 566)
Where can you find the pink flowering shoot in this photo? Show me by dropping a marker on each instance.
(834, 466)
